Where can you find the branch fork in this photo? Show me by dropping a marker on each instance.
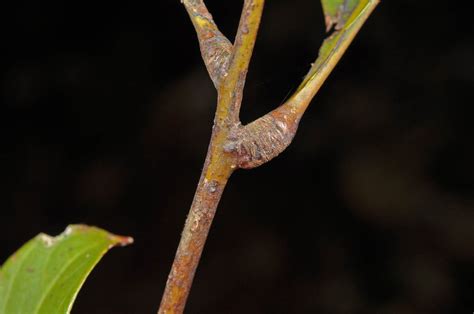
(232, 144)
(254, 144)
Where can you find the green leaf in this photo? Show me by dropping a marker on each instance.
(45, 275)
(338, 11)
(347, 17)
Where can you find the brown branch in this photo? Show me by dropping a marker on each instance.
(231, 91)
(219, 164)
(193, 238)
(232, 145)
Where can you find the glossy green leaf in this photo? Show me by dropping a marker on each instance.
(45, 275)
(346, 17)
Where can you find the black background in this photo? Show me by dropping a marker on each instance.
(106, 116)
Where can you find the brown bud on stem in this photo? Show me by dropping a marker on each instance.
(262, 140)
(216, 49)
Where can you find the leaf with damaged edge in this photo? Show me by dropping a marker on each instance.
(45, 275)
(337, 11)
(347, 17)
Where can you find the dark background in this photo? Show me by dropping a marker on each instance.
(106, 115)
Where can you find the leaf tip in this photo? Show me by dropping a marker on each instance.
(121, 240)
(116, 240)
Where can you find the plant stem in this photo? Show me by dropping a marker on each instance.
(233, 145)
(219, 163)
(217, 169)
(199, 220)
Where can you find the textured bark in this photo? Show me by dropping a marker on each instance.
(228, 74)
(262, 140)
(192, 242)
(216, 49)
